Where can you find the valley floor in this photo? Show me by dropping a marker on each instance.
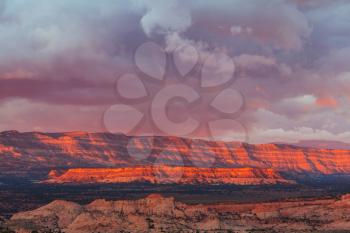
(20, 195)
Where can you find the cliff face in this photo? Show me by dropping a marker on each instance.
(166, 174)
(80, 149)
(159, 214)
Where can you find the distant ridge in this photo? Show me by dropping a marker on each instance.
(34, 150)
(324, 144)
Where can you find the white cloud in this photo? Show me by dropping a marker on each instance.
(165, 17)
(239, 30)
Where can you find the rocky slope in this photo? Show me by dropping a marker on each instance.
(167, 174)
(28, 151)
(163, 214)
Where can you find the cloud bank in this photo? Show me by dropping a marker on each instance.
(61, 58)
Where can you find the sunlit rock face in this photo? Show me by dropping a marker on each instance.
(25, 151)
(167, 174)
(163, 214)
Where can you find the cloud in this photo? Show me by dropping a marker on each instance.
(285, 29)
(30, 116)
(258, 21)
(248, 62)
(65, 91)
(291, 57)
(296, 106)
(52, 57)
(296, 135)
(239, 30)
(165, 17)
(322, 125)
(327, 101)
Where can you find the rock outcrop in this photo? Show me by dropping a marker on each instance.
(167, 174)
(28, 151)
(163, 214)
(3, 227)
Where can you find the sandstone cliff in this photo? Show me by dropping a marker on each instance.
(169, 174)
(25, 151)
(163, 214)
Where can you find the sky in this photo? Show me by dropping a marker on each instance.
(60, 62)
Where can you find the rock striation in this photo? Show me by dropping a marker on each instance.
(32, 150)
(169, 174)
(156, 213)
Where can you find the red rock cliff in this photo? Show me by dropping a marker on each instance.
(167, 174)
(80, 149)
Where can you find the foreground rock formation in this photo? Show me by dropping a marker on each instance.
(167, 174)
(29, 151)
(163, 214)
